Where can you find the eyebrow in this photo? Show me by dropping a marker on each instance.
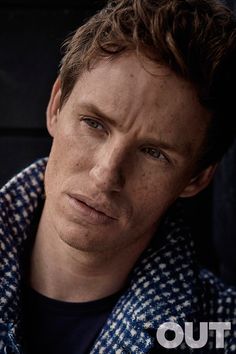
(178, 149)
(95, 110)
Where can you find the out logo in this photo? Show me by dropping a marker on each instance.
(186, 334)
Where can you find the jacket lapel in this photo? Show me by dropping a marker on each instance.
(19, 199)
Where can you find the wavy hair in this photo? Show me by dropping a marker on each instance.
(196, 39)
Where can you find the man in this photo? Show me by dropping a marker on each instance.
(95, 255)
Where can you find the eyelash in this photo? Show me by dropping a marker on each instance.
(147, 150)
(93, 124)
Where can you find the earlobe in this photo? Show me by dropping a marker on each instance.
(53, 107)
(199, 182)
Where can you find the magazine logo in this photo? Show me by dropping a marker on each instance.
(186, 334)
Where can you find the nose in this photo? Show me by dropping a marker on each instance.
(107, 172)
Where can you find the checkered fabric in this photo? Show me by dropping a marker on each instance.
(165, 285)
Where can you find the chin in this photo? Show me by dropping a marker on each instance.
(85, 240)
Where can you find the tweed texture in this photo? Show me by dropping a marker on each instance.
(165, 284)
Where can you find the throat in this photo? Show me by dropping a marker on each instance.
(66, 274)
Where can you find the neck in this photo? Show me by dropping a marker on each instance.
(64, 273)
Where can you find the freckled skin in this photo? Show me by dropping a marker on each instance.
(109, 164)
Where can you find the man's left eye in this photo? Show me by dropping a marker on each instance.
(154, 153)
(93, 123)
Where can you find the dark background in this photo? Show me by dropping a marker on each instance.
(31, 35)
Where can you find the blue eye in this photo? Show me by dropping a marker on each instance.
(154, 153)
(93, 123)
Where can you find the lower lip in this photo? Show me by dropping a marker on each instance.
(89, 214)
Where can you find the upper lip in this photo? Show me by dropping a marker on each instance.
(100, 207)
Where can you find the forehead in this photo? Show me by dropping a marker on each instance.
(128, 78)
(143, 97)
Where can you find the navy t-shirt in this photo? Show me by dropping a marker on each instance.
(57, 327)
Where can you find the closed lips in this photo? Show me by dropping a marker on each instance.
(98, 208)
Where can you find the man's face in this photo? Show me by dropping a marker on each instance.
(125, 147)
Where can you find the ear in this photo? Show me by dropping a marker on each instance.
(199, 182)
(53, 107)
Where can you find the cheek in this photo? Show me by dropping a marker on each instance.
(69, 150)
(69, 162)
(155, 193)
(152, 202)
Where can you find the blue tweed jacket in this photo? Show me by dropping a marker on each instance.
(165, 284)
